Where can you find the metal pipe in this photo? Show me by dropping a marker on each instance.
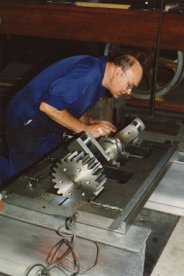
(157, 51)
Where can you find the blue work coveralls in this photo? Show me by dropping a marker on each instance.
(74, 84)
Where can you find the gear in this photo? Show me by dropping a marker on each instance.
(78, 176)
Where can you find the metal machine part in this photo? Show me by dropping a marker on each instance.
(114, 147)
(131, 132)
(79, 176)
(114, 209)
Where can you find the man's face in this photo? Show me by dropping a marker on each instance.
(122, 82)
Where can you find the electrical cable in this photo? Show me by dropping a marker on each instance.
(54, 259)
(95, 261)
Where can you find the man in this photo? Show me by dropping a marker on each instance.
(58, 99)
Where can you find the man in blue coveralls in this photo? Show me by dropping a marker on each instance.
(58, 99)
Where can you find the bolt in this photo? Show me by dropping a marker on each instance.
(30, 185)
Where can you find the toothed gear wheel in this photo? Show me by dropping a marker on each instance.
(78, 176)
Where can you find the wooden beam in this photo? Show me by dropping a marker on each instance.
(172, 107)
(127, 27)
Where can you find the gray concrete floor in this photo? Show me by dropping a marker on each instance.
(171, 261)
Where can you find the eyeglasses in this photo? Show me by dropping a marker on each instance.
(130, 86)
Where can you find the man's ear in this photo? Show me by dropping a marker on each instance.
(118, 71)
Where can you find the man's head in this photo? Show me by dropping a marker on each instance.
(122, 74)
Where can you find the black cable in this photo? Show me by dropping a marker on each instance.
(95, 261)
(32, 267)
(68, 224)
(55, 261)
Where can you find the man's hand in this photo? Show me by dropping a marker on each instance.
(101, 128)
(97, 127)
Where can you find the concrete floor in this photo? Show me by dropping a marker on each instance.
(171, 261)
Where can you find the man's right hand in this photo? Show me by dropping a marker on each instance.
(101, 128)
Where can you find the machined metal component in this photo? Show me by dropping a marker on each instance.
(78, 176)
(88, 144)
(112, 147)
(131, 132)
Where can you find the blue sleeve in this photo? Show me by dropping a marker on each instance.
(69, 88)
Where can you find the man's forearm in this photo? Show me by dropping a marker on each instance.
(64, 118)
